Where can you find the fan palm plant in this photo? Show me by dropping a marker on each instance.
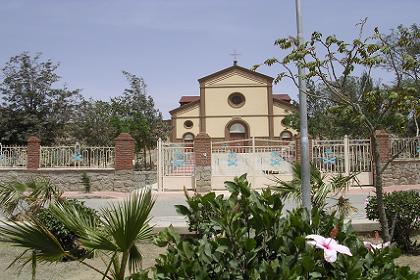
(323, 187)
(22, 199)
(116, 234)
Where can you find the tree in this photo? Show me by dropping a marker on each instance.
(94, 123)
(403, 58)
(323, 120)
(29, 102)
(136, 114)
(334, 64)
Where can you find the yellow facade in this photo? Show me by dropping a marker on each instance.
(192, 114)
(257, 111)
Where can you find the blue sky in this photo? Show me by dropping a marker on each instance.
(172, 43)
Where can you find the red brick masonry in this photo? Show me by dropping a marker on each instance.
(124, 152)
(33, 152)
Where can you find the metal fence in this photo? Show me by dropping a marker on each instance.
(13, 156)
(342, 156)
(406, 148)
(77, 157)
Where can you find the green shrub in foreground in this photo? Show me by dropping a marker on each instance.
(403, 211)
(66, 237)
(245, 236)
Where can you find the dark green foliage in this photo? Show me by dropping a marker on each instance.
(403, 211)
(246, 236)
(30, 104)
(93, 124)
(86, 182)
(66, 237)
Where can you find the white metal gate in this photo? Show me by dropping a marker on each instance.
(175, 166)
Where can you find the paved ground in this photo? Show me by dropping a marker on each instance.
(164, 212)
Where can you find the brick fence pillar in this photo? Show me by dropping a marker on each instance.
(298, 148)
(384, 145)
(124, 152)
(33, 152)
(202, 155)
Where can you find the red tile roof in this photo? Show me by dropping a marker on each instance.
(188, 99)
(282, 97)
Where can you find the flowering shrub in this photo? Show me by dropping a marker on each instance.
(247, 236)
(403, 212)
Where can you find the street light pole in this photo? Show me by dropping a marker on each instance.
(303, 112)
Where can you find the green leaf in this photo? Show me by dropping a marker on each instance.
(308, 263)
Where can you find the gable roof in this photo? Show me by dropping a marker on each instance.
(186, 106)
(235, 67)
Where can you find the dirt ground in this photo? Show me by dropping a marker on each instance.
(63, 271)
(77, 271)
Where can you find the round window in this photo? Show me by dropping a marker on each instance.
(236, 99)
(188, 124)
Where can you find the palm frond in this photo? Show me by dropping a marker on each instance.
(88, 229)
(10, 197)
(43, 190)
(126, 221)
(77, 221)
(33, 235)
(344, 207)
(134, 260)
(322, 186)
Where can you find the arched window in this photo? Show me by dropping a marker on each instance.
(286, 135)
(237, 128)
(188, 137)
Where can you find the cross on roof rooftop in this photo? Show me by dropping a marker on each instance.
(235, 55)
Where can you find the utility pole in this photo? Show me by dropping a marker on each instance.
(303, 111)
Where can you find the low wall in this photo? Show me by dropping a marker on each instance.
(402, 173)
(101, 180)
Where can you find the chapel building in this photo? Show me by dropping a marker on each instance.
(234, 103)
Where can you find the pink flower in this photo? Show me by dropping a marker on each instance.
(370, 246)
(329, 245)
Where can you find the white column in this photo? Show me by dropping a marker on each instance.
(346, 156)
(254, 161)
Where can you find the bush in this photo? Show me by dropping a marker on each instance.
(403, 212)
(86, 182)
(66, 237)
(246, 236)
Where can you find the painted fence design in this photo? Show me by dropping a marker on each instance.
(253, 156)
(177, 159)
(13, 156)
(77, 157)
